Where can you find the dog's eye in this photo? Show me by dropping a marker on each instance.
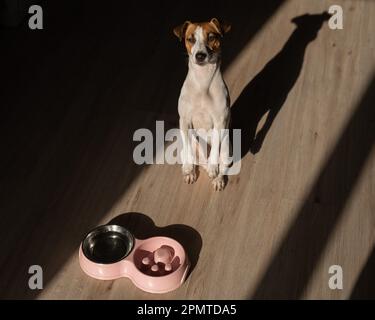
(211, 37)
(191, 40)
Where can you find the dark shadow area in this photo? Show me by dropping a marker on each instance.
(365, 285)
(298, 254)
(71, 98)
(268, 91)
(142, 227)
(13, 12)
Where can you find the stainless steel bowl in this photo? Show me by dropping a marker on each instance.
(107, 244)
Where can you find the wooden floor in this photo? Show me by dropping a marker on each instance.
(303, 201)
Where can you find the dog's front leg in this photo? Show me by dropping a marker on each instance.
(187, 156)
(213, 159)
(213, 166)
(225, 153)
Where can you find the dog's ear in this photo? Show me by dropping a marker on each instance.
(181, 30)
(221, 27)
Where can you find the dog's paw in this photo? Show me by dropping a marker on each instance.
(190, 178)
(218, 183)
(212, 170)
(188, 172)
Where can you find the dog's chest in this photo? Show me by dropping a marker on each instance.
(202, 120)
(199, 108)
(201, 104)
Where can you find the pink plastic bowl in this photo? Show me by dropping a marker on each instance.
(156, 265)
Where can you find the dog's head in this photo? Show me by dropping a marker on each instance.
(203, 39)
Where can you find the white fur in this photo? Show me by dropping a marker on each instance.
(199, 45)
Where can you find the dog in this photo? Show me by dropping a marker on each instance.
(204, 103)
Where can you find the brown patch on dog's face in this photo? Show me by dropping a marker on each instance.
(190, 36)
(208, 34)
(212, 36)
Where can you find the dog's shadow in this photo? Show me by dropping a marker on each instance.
(268, 91)
(142, 227)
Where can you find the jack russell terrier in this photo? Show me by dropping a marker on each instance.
(204, 104)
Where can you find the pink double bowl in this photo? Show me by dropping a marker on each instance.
(156, 265)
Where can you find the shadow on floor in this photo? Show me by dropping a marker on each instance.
(290, 269)
(75, 93)
(365, 285)
(142, 227)
(268, 91)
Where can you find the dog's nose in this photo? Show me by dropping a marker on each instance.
(200, 56)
